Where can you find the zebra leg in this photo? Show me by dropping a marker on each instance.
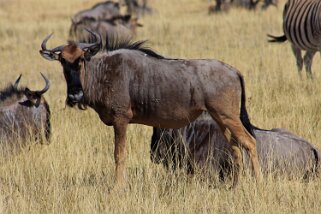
(298, 57)
(308, 57)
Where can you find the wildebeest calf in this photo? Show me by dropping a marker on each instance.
(24, 114)
(201, 144)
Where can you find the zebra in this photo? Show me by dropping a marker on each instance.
(302, 27)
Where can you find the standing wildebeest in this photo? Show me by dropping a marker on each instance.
(24, 113)
(128, 83)
(201, 144)
(121, 26)
(137, 8)
(224, 5)
(267, 3)
(100, 11)
(302, 27)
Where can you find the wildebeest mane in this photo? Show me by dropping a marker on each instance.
(102, 3)
(10, 91)
(115, 43)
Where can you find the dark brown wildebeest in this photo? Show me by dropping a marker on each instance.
(137, 8)
(24, 114)
(102, 10)
(201, 144)
(267, 3)
(127, 83)
(121, 26)
(224, 5)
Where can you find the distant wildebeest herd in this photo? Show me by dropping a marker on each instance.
(224, 5)
(105, 17)
(197, 107)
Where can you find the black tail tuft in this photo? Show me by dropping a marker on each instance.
(244, 115)
(277, 39)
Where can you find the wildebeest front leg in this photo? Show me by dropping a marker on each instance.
(120, 127)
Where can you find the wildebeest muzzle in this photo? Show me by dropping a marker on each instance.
(76, 97)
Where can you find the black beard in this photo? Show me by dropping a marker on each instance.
(80, 104)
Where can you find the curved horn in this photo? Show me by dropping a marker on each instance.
(44, 45)
(44, 42)
(46, 86)
(16, 83)
(89, 45)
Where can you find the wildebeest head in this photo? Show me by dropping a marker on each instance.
(33, 97)
(73, 57)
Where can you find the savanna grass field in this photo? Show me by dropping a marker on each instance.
(75, 173)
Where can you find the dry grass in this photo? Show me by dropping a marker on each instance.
(75, 173)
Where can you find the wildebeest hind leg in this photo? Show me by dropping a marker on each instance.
(246, 140)
(236, 152)
(234, 124)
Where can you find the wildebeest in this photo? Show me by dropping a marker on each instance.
(121, 26)
(137, 8)
(301, 26)
(102, 10)
(267, 3)
(224, 5)
(202, 145)
(128, 83)
(24, 114)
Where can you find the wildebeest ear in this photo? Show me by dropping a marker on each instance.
(33, 97)
(49, 55)
(91, 52)
(28, 92)
(126, 18)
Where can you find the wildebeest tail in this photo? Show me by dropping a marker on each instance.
(154, 153)
(277, 39)
(244, 115)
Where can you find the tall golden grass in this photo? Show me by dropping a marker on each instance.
(75, 173)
